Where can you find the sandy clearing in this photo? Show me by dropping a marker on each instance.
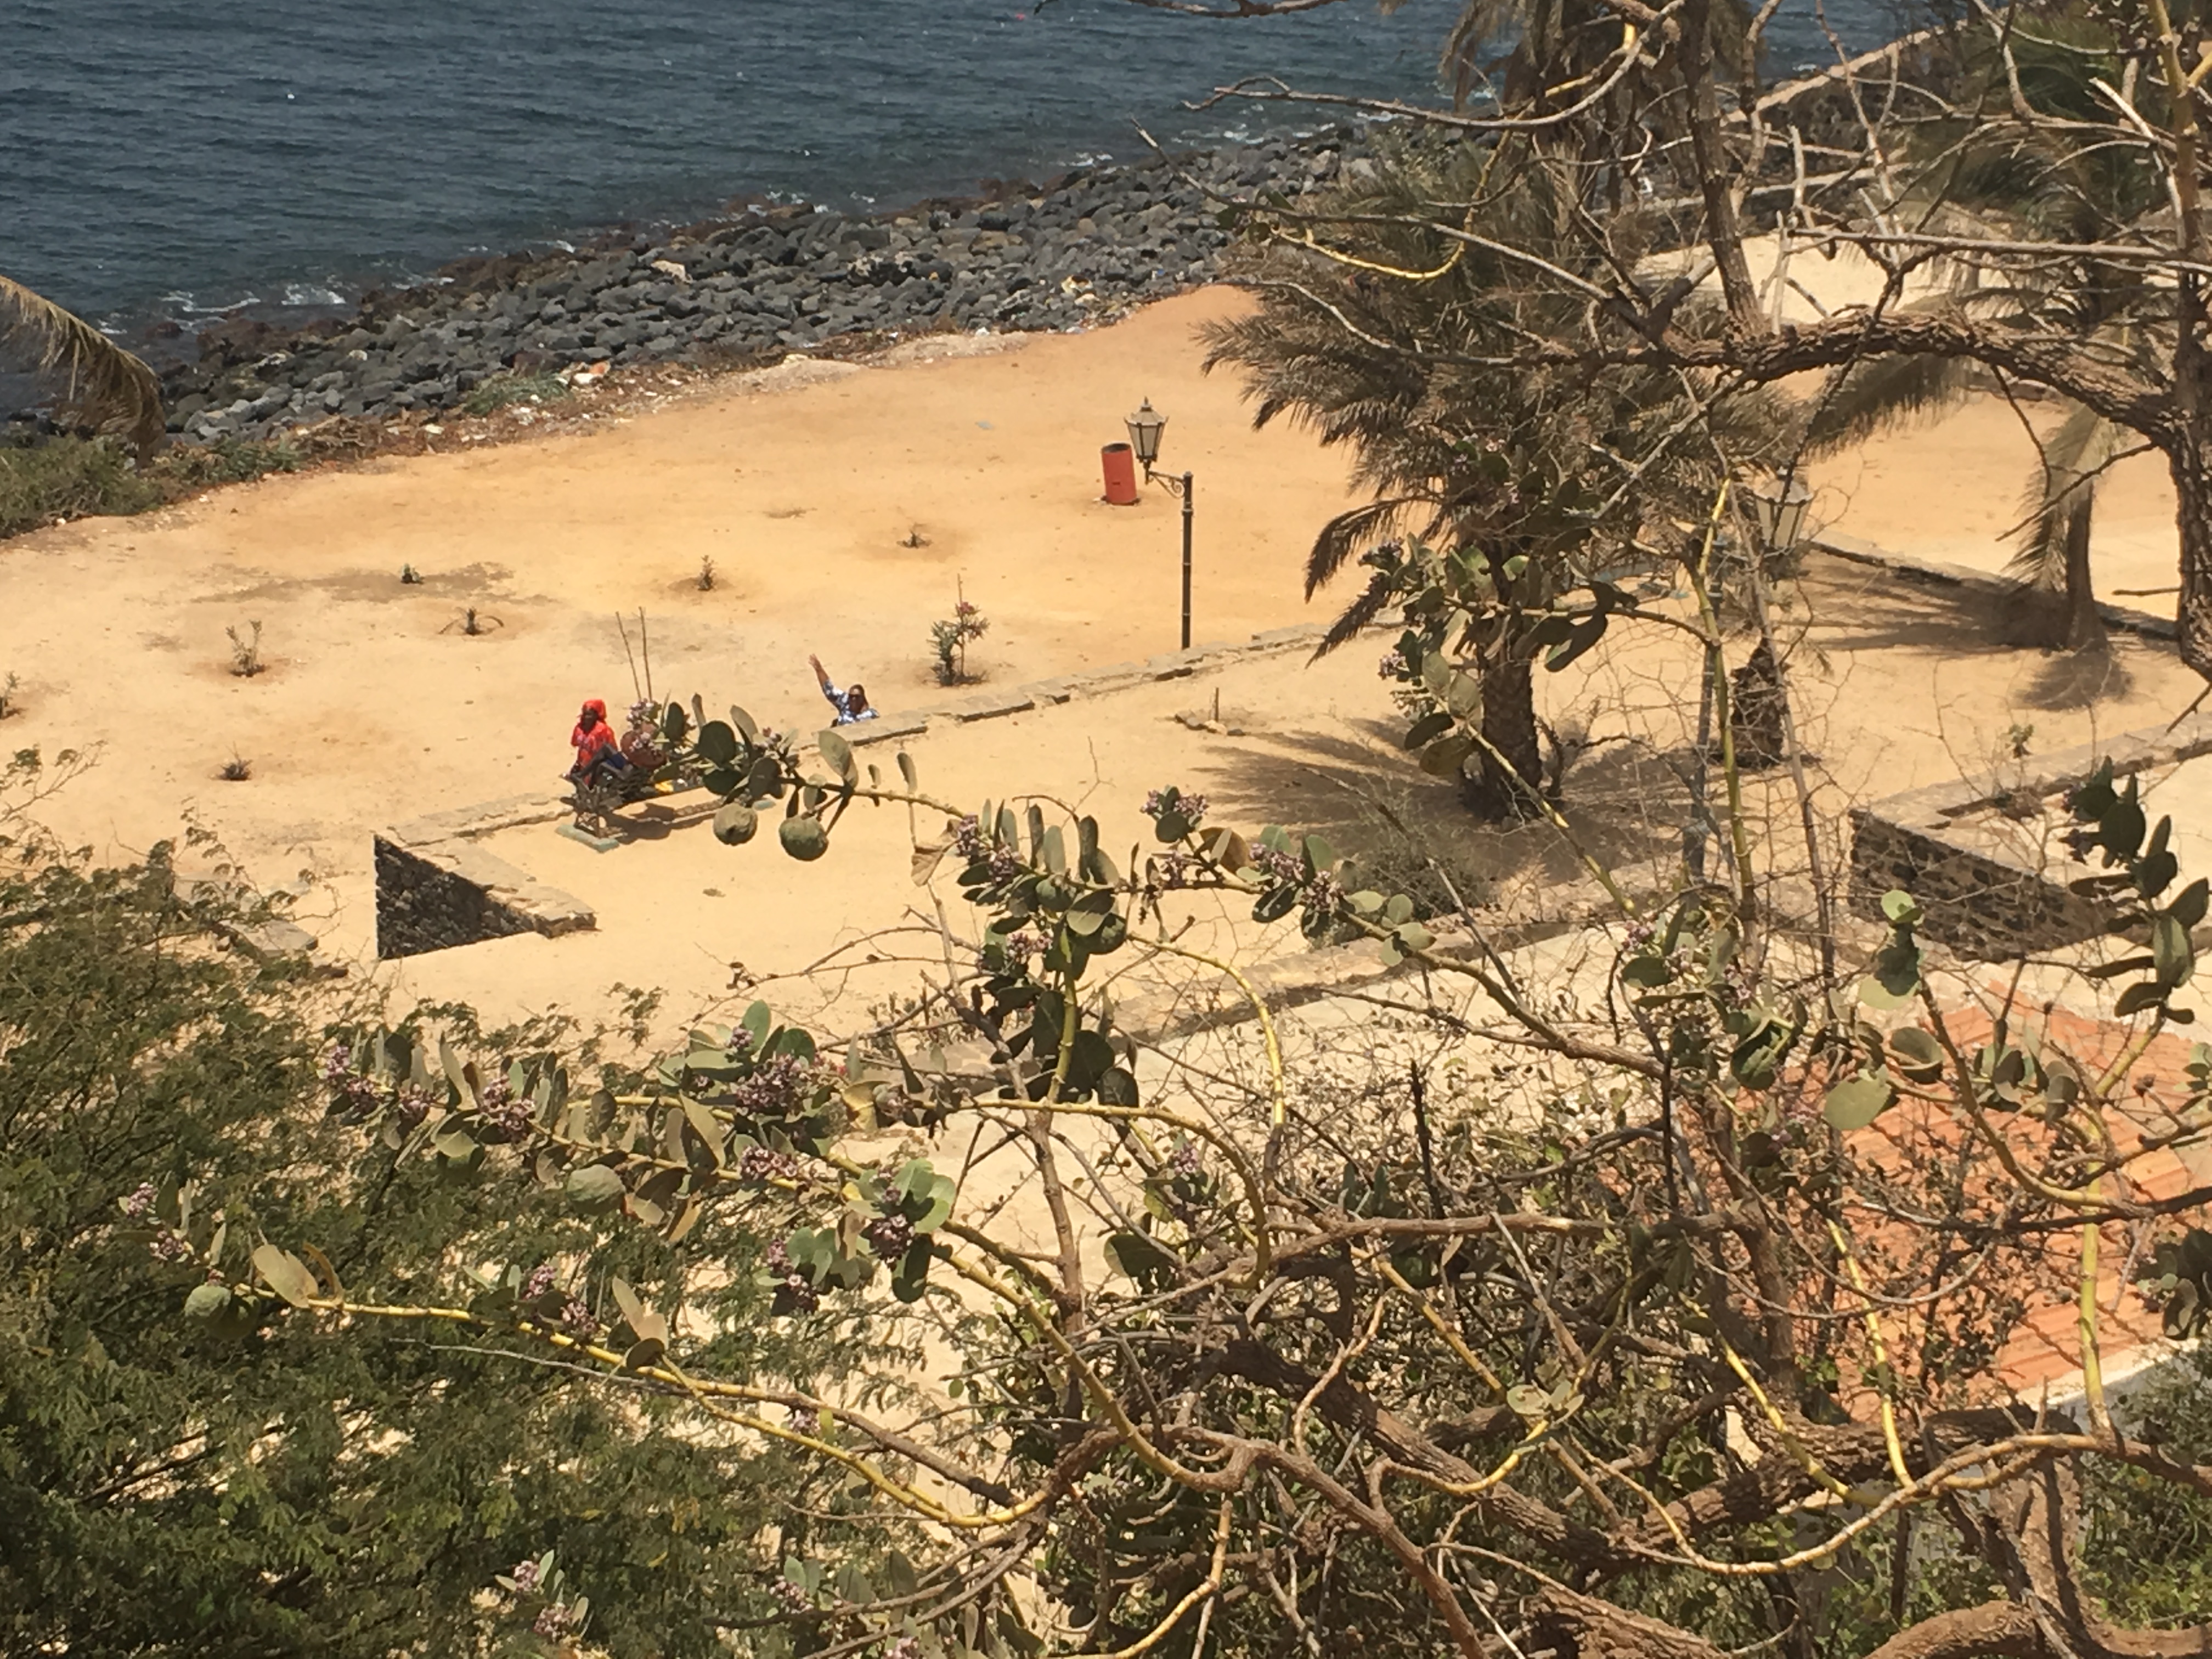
(801, 490)
(375, 709)
(1950, 490)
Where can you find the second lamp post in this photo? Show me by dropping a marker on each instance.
(1144, 429)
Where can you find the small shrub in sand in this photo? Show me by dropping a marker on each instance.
(497, 393)
(10, 702)
(246, 650)
(707, 573)
(473, 621)
(236, 769)
(950, 638)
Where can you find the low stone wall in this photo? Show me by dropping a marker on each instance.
(436, 889)
(1934, 573)
(1988, 892)
(1092, 683)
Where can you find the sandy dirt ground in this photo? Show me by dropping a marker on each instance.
(1950, 490)
(805, 492)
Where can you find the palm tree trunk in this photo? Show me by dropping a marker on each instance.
(1495, 792)
(2062, 618)
(2084, 627)
(2192, 470)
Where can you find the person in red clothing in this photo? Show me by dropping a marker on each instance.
(597, 754)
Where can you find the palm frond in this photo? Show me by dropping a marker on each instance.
(103, 386)
(1365, 608)
(1345, 535)
(1868, 397)
(2060, 491)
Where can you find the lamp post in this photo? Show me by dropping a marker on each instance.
(1780, 505)
(1144, 429)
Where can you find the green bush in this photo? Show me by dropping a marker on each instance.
(2149, 1549)
(501, 390)
(171, 1483)
(69, 478)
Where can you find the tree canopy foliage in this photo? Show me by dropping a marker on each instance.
(179, 1473)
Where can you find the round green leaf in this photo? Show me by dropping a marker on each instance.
(594, 1187)
(1858, 1101)
(207, 1302)
(717, 743)
(1918, 1054)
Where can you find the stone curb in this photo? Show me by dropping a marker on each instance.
(1091, 683)
(436, 890)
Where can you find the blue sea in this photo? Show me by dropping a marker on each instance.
(183, 158)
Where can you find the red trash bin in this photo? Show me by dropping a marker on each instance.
(1119, 462)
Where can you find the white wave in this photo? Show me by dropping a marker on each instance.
(189, 303)
(312, 293)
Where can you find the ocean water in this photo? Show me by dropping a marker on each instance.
(180, 158)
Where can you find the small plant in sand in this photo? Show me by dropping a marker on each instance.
(707, 573)
(246, 650)
(236, 769)
(950, 638)
(10, 702)
(410, 576)
(914, 537)
(473, 621)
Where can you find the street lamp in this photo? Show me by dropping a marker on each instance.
(1144, 429)
(1780, 505)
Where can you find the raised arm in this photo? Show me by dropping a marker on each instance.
(821, 674)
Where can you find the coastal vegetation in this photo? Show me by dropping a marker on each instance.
(213, 1485)
(1014, 1317)
(63, 475)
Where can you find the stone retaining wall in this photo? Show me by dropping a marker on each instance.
(436, 889)
(1990, 893)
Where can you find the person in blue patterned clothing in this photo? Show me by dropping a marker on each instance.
(851, 703)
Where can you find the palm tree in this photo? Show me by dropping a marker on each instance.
(2051, 557)
(1518, 486)
(1996, 181)
(102, 387)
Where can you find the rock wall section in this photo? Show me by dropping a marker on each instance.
(1992, 886)
(435, 888)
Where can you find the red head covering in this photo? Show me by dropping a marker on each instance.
(591, 740)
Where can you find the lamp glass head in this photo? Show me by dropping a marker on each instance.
(1144, 429)
(1781, 513)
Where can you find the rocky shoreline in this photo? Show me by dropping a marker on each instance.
(746, 291)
